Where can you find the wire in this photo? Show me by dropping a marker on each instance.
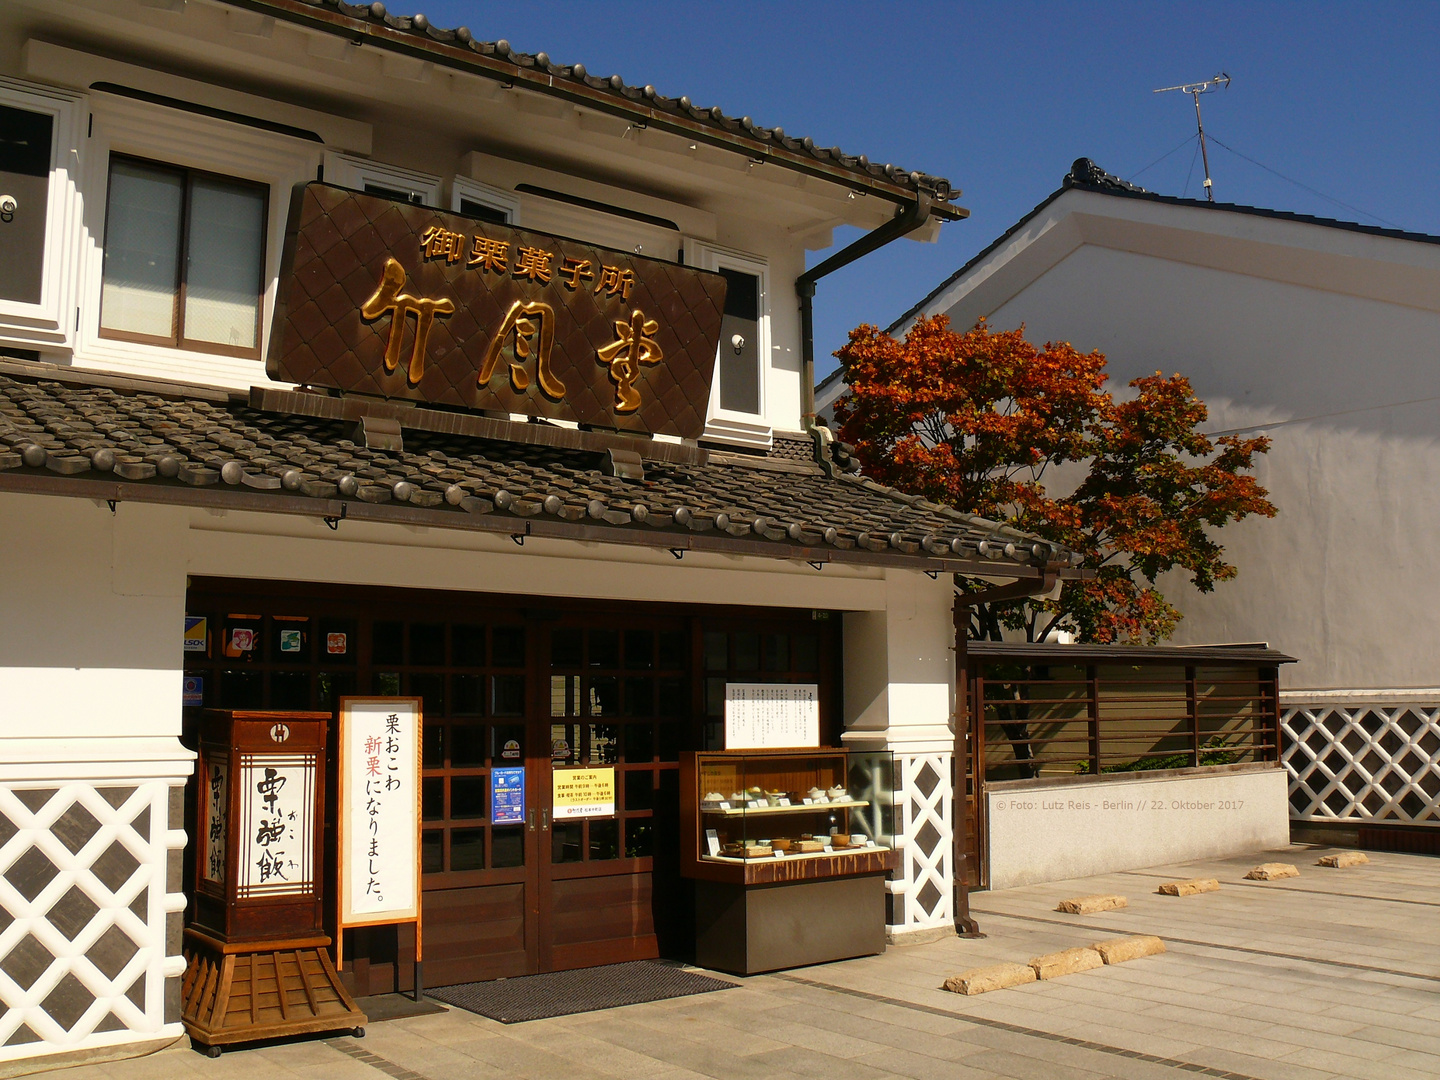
(1185, 142)
(1191, 172)
(1307, 187)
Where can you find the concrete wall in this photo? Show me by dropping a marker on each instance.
(1045, 831)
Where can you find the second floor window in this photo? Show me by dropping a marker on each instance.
(184, 258)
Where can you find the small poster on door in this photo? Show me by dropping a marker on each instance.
(507, 796)
(583, 793)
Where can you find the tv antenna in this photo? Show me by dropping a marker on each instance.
(1219, 82)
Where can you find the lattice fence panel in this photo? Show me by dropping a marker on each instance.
(83, 907)
(1363, 762)
(922, 886)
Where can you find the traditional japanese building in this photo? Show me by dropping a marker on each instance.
(344, 354)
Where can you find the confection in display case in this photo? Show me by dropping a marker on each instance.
(789, 850)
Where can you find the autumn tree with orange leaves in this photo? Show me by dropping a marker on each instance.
(987, 423)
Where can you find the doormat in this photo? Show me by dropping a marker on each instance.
(563, 993)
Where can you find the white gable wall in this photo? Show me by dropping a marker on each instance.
(1346, 384)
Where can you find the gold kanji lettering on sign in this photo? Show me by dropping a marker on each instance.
(572, 270)
(614, 280)
(525, 320)
(533, 263)
(634, 345)
(438, 243)
(490, 254)
(388, 297)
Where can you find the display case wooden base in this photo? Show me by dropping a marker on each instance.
(748, 929)
(246, 991)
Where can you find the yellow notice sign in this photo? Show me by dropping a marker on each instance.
(583, 793)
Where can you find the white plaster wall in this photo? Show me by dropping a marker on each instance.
(91, 609)
(1347, 387)
(1064, 831)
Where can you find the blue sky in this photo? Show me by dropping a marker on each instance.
(1000, 98)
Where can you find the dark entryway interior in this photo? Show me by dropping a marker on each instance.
(513, 681)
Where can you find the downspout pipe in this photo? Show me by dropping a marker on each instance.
(907, 219)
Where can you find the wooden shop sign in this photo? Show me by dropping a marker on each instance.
(387, 298)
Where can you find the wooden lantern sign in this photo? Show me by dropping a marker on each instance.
(255, 951)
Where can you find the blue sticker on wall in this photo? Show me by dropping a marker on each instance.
(194, 690)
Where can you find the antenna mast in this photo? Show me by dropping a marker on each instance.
(1219, 82)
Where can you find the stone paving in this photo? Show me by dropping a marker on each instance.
(1335, 973)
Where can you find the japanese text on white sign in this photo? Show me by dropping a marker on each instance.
(771, 716)
(379, 805)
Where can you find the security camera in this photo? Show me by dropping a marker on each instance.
(738, 344)
(8, 205)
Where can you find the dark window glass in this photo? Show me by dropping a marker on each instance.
(507, 646)
(605, 648)
(431, 689)
(639, 696)
(565, 841)
(739, 361)
(604, 743)
(394, 194)
(467, 745)
(807, 652)
(670, 737)
(507, 846)
(467, 797)
(333, 686)
(639, 790)
(777, 652)
(433, 747)
(674, 698)
(639, 650)
(467, 695)
(385, 683)
(639, 838)
(242, 690)
(639, 742)
(467, 643)
(25, 140)
(747, 652)
(467, 849)
(507, 695)
(490, 214)
(432, 798)
(714, 697)
(290, 690)
(387, 643)
(674, 649)
(604, 695)
(427, 643)
(605, 839)
(562, 743)
(567, 647)
(430, 851)
(717, 656)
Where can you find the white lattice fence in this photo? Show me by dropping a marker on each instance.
(921, 888)
(1363, 761)
(83, 894)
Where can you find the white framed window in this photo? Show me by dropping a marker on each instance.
(482, 201)
(737, 393)
(377, 178)
(41, 131)
(184, 258)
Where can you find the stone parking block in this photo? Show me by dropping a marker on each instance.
(995, 977)
(1066, 962)
(1272, 871)
(1343, 859)
(1089, 905)
(1119, 950)
(1189, 888)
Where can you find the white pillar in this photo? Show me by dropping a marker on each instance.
(899, 689)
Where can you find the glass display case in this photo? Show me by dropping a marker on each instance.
(754, 816)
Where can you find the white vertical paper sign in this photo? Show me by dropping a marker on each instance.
(771, 716)
(379, 810)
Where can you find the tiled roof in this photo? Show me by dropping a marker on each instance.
(107, 437)
(539, 72)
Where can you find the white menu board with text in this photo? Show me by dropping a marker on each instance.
(379, 810)
(771, 716)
